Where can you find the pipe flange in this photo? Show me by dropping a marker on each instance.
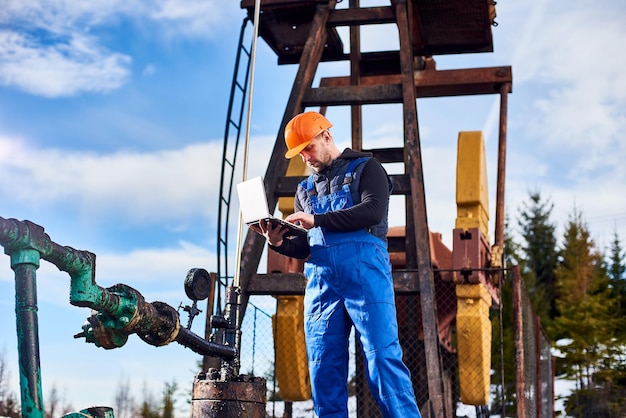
(167, 328)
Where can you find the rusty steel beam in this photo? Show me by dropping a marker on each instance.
(538, 371)
(413, 164)
(284, 284)
(470, 81)
(362, 16)
(518, 329)
(246, 4)
(500, 181)
(428, 83)
(356, 110)
(352, 95)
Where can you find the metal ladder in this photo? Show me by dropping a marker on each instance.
(234, 118)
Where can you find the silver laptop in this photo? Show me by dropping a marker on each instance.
(253, 204)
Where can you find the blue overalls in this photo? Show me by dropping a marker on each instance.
(349, 282)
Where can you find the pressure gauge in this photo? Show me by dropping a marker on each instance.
(198, 284)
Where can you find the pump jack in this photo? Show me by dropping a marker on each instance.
(304, 32)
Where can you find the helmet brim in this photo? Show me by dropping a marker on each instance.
(296, 150)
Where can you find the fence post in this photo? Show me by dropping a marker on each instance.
(519, 341)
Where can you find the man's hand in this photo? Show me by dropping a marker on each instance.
(303, 219)
(273, 234)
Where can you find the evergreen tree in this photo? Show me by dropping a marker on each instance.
(169, 399)
(617, 276)
(617, 268)
(540, 249)
(586, 323)
(613, 366)
(503, 341)
(148, 408)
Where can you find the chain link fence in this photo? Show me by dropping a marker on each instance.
(479, 346)
(535, 371)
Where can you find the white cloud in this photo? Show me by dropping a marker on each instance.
(145, 187)
(47, 50)
(566, 113)
(50, 48)
(155, 265)
(568, 59)
(196, 18)
(59, 69)
(63, 16)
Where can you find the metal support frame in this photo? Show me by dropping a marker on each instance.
(390, 77)
(413, 162)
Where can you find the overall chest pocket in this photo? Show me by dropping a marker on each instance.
(329, 203)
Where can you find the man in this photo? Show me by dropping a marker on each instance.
(344, 206)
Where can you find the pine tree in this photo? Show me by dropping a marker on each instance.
(503, 345)
(617, 276)
(148, 408)
(541, 256)
(169, 399)
(617, 268)
(587, 312)
(613, 367)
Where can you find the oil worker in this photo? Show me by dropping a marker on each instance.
(344, 206)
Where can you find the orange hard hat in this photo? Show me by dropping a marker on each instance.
(301, 130)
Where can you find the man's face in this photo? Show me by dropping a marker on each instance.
(317, 154)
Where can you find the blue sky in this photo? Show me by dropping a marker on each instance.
(112, 117)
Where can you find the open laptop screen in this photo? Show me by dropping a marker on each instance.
(254, 208)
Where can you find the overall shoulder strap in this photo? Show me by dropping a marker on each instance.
(309, 185)
(349, 176)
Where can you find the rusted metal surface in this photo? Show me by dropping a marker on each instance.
(437, 26)
(518, 327)
(472, 260)
(209, 362)
(471, 254)
(413, 164)
(538, 373)
(286, 27)
(355, 15)
(356, 110)
(279, 284)
(429, 82)
(242, 397)
(452, 26)
(500, 180)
